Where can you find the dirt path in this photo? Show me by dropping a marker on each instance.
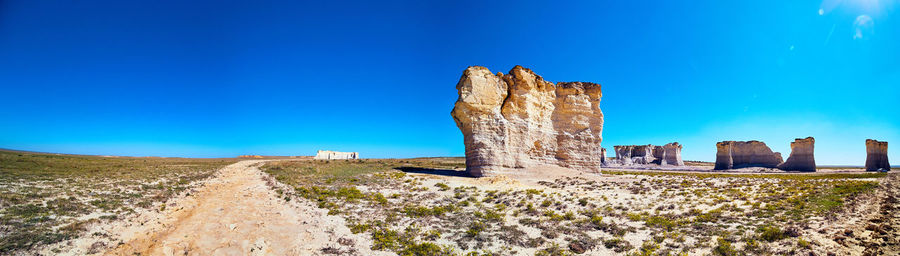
(236, 213)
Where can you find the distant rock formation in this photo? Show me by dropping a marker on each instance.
(334, 155)
(623, 154)
(876, 156)
(669, 154)
(519, 120)
(740, 154)
(802, 157)
(250, 156)
(642, 154)
(659, 155)
(672, 155)
(603, 156)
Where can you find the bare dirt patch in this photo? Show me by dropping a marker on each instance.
(237, 213)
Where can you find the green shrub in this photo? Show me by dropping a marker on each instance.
(802, 243)
(597, 220)
(442, 186)
(583, 201)
(647, 249)
(475, 229)
(617, 244)
(546, 203)
(422, 211)
(425, 249)
(771, 233)
(385, 239)
(662, 222)
(724, 248)
(489, 215)
(711, 216)
(357, 228)
(553, 250)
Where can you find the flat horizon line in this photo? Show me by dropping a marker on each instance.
(269, 156)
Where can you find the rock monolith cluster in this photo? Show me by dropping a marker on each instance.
(669, 154)
(802, 156)
(334, 155)
(876, 156)
(740, 154)
(519, 120)
(634, 154)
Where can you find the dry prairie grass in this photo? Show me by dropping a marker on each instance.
(634, 213)
(49, 198)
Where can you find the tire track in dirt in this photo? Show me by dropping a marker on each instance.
(236, 213)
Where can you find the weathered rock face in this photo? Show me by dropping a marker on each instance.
(623, 154)
(519, 120)
(334, 155)
(672, 155)
(659, 155)
(477, 114)
(643, 154)
(740, 154)
(603, 156)
(802, 156)
(876, 155)
(669, 154)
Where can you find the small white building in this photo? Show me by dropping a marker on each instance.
(329, 155)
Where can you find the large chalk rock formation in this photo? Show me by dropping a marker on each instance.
(672, 155)
(669, 154)
(876, 155)
(519, 120)
(802, 157)
(334, 155)
(740, 154)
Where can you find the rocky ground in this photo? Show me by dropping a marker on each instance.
(429, 207)
(553, 211)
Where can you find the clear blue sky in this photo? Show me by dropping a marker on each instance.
(221, 78)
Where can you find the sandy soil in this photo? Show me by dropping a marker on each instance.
(235, 213)
(869, 226)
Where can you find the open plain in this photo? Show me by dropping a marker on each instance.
(429, 206)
